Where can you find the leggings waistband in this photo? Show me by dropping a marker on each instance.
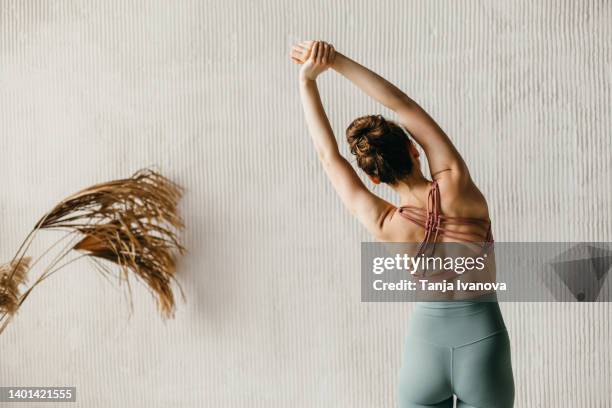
(456, 323)
(445, 304)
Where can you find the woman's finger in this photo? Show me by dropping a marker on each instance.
(299, 49)
(328, 51)
(296, 54)
(320, 51)
(323, 52)
(332, 53)
(299, 52)
(307, 44)
(315, 51)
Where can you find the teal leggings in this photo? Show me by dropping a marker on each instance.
(457, 348)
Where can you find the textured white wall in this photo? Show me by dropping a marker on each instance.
(91, 91)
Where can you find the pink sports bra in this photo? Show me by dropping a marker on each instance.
(436, 224)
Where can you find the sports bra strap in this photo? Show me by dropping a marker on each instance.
(436, 224)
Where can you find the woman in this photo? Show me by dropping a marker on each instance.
(453, 349)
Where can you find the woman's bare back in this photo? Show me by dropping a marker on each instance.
(459, 216)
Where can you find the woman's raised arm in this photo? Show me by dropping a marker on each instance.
(370, 209)
(441, 153)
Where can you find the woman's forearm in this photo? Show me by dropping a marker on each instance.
(370, 82)
(318, 125)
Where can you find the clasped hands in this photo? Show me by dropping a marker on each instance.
(314, 56)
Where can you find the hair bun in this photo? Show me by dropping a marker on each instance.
(379, 146)
(363, 132)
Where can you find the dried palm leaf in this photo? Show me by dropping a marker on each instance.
(136, 249)
(131, 223)
(12, 276)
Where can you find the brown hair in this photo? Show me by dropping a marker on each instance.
(380, 147)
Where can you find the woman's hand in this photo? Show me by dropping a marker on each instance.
(301, 51)
(314, 56)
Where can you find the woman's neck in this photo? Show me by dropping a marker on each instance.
(413, 189)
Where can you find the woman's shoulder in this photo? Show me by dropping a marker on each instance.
(398, 228)
(460, 196)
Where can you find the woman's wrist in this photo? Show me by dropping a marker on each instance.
(305, 79)
(338, 60)
(306, 82)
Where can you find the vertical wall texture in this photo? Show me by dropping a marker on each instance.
(91, 91)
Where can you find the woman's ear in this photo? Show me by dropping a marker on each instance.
(414, 152)
(374, 179)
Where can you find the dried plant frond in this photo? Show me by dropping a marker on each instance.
(145, 195)
(132, 223)
(138, 248)
(12, 276)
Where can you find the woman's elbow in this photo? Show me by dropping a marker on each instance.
(328, 156)
(402, 102)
